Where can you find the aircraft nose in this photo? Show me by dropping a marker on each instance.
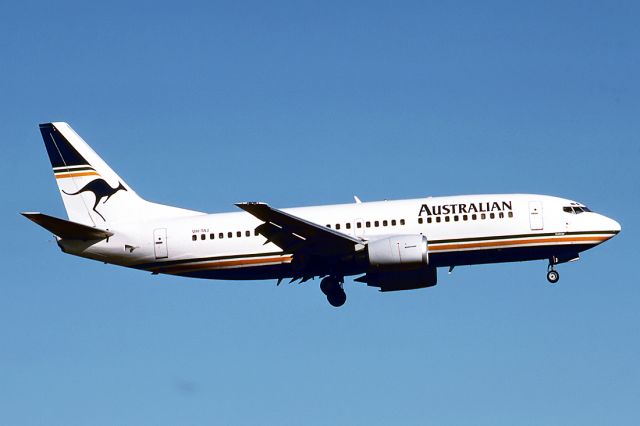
(615, 226)
(611, 225)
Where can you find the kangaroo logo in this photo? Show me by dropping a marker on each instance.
(100, 189)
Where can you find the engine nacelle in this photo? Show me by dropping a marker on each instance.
(399, 252)
(400, 262)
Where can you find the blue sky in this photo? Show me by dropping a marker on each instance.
(202, 105)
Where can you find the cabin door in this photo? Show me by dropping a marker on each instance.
(160, 243)
(535, 215)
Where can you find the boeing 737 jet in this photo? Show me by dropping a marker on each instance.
(391, 245)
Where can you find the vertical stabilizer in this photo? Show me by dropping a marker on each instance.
(93, 194)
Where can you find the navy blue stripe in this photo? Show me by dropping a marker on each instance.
(61, 152)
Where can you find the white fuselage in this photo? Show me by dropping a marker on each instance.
(468, 229)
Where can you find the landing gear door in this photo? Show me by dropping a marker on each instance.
(160, 243)
(535, 215)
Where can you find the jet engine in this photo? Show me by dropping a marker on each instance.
(399, 262)
(398, 252)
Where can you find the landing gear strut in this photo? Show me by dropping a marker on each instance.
(552, 275)
(332, 288)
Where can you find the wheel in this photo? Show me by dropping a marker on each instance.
(337, 297)
(553, 276)
(327, 285)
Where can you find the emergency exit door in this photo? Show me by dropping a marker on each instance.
(160, 243)
(535, 215)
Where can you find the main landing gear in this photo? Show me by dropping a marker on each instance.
(552, 275)
(332, 288)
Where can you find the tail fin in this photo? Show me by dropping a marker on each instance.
(92, 192)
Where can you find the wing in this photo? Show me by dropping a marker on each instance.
(294, 234)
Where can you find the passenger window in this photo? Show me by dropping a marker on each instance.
(202, 237)
(455, 218)
(376, 223)
(328, 225)
(247, 233)
(230, 234)
(447, 218)
(194, 237)
(367, 224)
(358, 225)
(510, 214)
(483, 216)
(337, 226)
(401, 221)
(348, 225)
(239, 234)
(465, 217)
(474, 216)
(501, 215)
(438, 219)
(393, 222)
(492, 215)
(429, 219)
(221, 235)
(212, 236)
(420, 220)
(385, 223)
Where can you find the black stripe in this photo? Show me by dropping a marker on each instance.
(507, 237)
(75, 169)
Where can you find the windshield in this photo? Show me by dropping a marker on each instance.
(575, 209)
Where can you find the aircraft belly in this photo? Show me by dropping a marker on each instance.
(509, 254)
(263, 272)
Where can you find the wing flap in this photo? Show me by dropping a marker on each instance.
(66, 229)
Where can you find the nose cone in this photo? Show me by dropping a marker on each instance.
(610, 225)
(616, 226)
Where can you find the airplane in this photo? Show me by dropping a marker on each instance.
(391, 245)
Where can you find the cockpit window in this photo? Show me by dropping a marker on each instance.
(575, 209)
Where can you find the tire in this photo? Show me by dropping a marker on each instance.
(553, 277)
(327, 285)
(337, 298)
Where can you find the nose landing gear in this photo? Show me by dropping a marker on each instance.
(552, 275)
(332, 288)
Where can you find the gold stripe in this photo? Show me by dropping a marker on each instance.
(493, 244)
(79, 174)
(224, 264)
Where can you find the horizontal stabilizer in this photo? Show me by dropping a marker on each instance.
(66, 229)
